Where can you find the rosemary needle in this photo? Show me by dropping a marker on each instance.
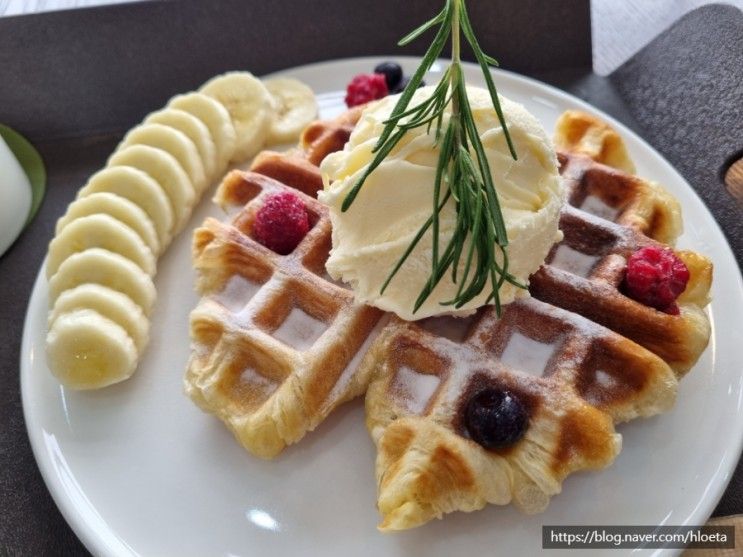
(479, 232)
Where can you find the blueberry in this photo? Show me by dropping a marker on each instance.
(392, 73)
(495, 418)
(403, 83)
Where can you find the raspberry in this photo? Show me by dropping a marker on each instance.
(656, 277)
(366, 87)
(281, 222)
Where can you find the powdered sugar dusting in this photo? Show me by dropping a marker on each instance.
(237, 292)
(300, 330)
(588, 329)
(573, 261)
(352, 367)
(249, 377)
(603, 379)
(415, 389)
(525, 354)
(596, 206)
(448, 326)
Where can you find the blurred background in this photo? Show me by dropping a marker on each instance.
(619, 27)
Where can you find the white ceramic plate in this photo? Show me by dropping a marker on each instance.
(137, 469)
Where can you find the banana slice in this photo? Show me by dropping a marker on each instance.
(99, 231)
(107, 268)
(295, 108)
(111, 304)
(171, 141)
(119, 208)
(139, 188)
(196, 131)
(250, 106)
(216, 118)
(166, 171)
(86, 350)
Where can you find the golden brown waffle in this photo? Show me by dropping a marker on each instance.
(583, 133)
(326, 136)
(575, 378)
(299, 168)
(289, 168)
(609, 215)
(276, 345)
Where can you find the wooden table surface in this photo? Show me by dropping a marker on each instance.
(620, 27)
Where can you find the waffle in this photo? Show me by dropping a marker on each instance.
(575, 376)
(276, 345)
(609, 215)
(323, 137)
(582, 133)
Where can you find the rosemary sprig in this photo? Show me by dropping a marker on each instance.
(479, 232)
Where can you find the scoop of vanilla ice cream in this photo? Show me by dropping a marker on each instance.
(397, 199)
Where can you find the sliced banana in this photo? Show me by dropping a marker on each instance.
(216, 118)
(99, 231)
(295, 106)
(86, 350)
(101, 261)
(100, 266)
(196, 131)
(166, 171)
(250, 106)
(139, 188)
(111, 304)
(119, 208)
(171, 141)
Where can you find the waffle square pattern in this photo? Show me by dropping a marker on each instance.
(278, 344)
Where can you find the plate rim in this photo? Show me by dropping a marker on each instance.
(101, 542)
